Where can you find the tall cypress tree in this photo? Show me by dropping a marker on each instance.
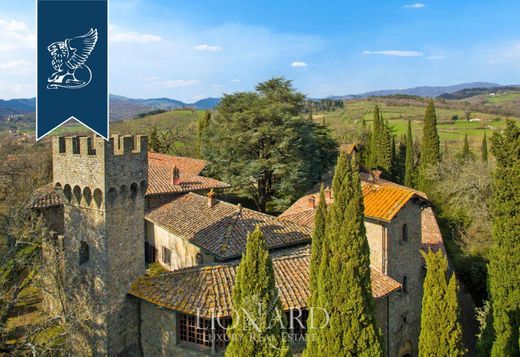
(375, 138)
(409, 165)
(345, 267)
(484, 149)
(452, 320)
(440, 326)
(430, 146)
(201, 127)
(258, 317)
(504, 263)
(466, 153)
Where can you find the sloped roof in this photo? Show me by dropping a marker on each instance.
(208, 289)
(382, 202)
(431, 234)
(222, 229)
(160, 179)
(187, 165)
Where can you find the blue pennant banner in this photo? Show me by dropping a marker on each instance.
(72, 80)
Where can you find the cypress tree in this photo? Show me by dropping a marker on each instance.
(504, 262)
(484, 149)
(375, 138)
(318, 235)
(409, 164)
(430, 146)
(258, 318)
(345, 267)
(154, 143)
(202, 126)
(440, 327)
(453, 327)
(466, 153)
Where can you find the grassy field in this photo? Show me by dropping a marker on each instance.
(502, 98)
(397, 115)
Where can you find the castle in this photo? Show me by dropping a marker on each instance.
(116, 208)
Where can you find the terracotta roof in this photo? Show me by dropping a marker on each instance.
(160, 180)
(46, 197)
(222, 229)
(431, 234)
(208, 289)
(187, 165)
(382, 202)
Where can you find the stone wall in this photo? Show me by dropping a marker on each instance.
(404, 259)
(103, 185)
(183, 253)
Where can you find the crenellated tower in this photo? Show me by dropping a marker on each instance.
(103, 184)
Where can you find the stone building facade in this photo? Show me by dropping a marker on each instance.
(117, 208)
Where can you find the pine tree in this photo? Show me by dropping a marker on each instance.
(484, 149)
(440, 326)
(430, 146)
(409, 165)
(202, 126)
(345, 266)
(258, 318)
(504, 263)
(466, 153)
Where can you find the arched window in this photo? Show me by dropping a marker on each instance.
(405, 284)
(405, 232)
(84, 253)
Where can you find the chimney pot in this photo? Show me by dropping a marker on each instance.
(176, 176)
(328, 193)
(212, 199)
(377, 174)
(311, 203)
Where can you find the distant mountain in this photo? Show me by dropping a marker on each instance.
(424, 91)
(17, 106)
(471, 92)
(128, 108)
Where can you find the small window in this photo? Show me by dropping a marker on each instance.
(166, 256)
(405, 284)
(84, 253)
(405, 232)
(199, 259)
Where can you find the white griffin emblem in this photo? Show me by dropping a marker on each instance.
(68, 61)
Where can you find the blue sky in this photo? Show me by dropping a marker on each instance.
(194, 49)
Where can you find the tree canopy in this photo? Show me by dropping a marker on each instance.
(261, 144)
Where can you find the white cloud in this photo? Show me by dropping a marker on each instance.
(173, 83)
(436, 57)
(207, 48)
(417, 5)
(235, 80)
(17, 67)
(133, 37)
(395, 53)
(15, 35)
(149, 78)
(13, 26)
(298, 64)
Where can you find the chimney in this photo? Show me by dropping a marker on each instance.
(311, 202)
(176, 176)
(212, 199)
(328, 193)
(377, 174)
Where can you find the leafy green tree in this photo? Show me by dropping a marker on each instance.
(345, 266)
(430, 146)
(409, 164)
(258, 318)
(484, 149)
(441, 333)
(504, 263)
(259, 142)
(203, 124)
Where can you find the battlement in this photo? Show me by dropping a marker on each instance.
(117, 145)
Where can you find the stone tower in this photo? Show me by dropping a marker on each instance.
(103, 185)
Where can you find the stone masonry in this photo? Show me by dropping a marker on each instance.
(103, 184)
